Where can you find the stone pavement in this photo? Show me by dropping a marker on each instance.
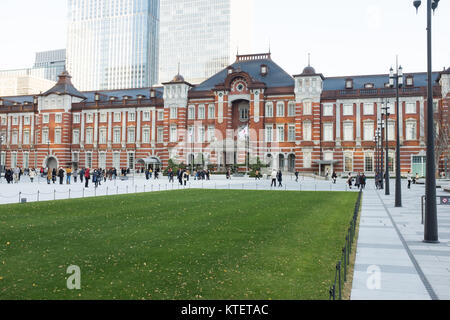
(392, 262)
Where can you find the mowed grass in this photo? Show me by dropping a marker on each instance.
(190, 244)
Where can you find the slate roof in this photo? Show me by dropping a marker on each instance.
(133, 93)
(338, 83)
(276, 76)
(64, 86)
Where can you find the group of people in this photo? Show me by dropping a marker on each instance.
(13, 175)
(149, 173)
(360, 181)
(276, 176)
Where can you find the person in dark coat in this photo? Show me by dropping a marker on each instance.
(82, 171)
(280, 178)
(54, 174)
(87, 176)
(334, 177)
(61, 175)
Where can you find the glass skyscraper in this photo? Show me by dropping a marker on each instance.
(202, 36)
(113, 44)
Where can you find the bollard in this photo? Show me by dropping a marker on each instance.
(20, 196)
(127, 189)
(117, 190)
(38, 196)
(95, 192)
(54, 194)
(167, 187)
(242, 186)
(159, 187)
(83, 192)
(106, 190)
(69, 193)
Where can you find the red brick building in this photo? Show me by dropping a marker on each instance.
(252, 109)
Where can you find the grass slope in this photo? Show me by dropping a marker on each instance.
(191, 244)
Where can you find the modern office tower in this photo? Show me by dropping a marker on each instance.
(53, 62)
(203, 36)
(113, 44)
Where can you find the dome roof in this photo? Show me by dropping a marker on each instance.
(309, 71)
(178, 78)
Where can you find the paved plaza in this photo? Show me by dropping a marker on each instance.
(392, 262)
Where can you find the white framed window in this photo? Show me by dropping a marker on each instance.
(76, 118)
(269, 133)
(131, 134)
(75, 157)
(58, 135)
(161, 115)
(26, 137)
(103, 117)
(15, 136)
(307, 108)
(26, 160)
(15, 120)
(411, 130)
(116, 160)
(146, 135)
(3, 120)
(410, 108)
(368, 131)
(191, 113)
(58, 118)
(328, 109)
(89, 135)
(280, 109)
(201, 112)
(348, 162)
(130, 160)
(211, 111)
(102, 138)
(173, 112)
(391, 130)
(116, 135)
(173, 134)
(102, 160)
(201, 134)
(3, 158)
(347, 110)
(269, 110)
(291, 133)
(307, 131)
(26, 120)
(348, 131)
(146, 116)
(280, 133)
(307, 159)
(89, 117)
(328, 132)
(88, 160)
(117, 116)
(44, 137)
(391, 107)
(160, 135)
(368, 162)
(211, 133)
(190, 133)
(76, 136)
(131, 116)
(291, 109)
(13, 159)
(45, 118)
(368, 109)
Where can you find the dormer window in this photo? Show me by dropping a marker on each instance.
(230, 70)
(369, 86)
(152, 93)
(409, 81)
(349, 84)
(1, 102)
(264, 70)
(140, 97)
(97, 97)
(112, 98)
(387, 85)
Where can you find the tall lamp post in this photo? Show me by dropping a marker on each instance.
(2, 138)
(375, 140)
(380, 138)
(386, 115)
(431, 223)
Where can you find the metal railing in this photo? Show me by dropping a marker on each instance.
(340, 275)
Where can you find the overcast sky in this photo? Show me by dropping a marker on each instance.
(345, 37)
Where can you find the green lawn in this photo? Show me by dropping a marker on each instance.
(192, 244)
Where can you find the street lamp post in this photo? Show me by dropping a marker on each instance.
(2, 138)
(386, 117)
(375, 140)
(396, 80)
(381, 126)
(431, 223)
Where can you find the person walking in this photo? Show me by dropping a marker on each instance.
(87, 176)
(185, 177)
(54, 175)
(350, 180)
(61, 175)
(408, 177)
(32, 175)
(75, 175)
(334, 177)
(82, 172)
(49, 175)
(296, 175)
(68, 175)
(280, 178)
(363, 181)
(274, 178)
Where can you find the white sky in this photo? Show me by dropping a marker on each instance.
(345, 37)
